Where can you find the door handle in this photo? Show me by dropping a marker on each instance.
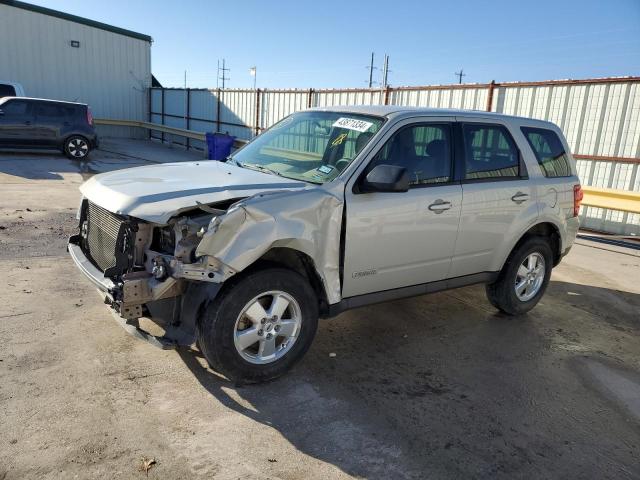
(439, 206)
(520, 197)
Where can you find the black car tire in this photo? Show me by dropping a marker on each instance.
(77, 147)
(502, 293)
(217, 329)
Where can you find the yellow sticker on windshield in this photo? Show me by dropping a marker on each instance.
(339, 139)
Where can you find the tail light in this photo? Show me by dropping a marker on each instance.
(89, 116)
(578, 194)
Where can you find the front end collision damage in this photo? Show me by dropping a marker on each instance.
(308, 221)
(211, 246)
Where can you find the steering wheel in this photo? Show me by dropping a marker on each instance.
(342, 164)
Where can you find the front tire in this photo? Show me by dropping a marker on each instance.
(524, 277)
(76, 147)
(260, 325)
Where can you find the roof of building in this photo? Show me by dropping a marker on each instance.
(76, 19)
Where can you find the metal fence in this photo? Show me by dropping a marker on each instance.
(600, 118)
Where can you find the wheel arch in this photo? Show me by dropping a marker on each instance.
(542, 229)
(297, 261)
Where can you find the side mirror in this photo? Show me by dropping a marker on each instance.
(386, 178)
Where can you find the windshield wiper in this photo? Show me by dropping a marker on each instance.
(260, 168)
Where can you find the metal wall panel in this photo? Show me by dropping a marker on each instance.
(600, 118)
(109, 71)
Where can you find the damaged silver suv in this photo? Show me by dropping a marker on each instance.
(328, 210)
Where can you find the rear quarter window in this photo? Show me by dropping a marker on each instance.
(549, 151)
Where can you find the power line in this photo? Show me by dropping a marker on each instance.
(460, 74)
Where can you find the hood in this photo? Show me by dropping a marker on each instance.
(156, 193)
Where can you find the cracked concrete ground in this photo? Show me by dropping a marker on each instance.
(438, 386)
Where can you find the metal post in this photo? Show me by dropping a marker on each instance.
(490, 95)
(218, 110)
(257, 120)
(310, 98)
(150, 97)
(188, 117)
(162, 115)
(387, 90)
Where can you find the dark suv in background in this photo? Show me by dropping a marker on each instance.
(33, 123)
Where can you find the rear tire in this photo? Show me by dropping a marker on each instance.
(519, 287)
(259, 326)
(77, 147)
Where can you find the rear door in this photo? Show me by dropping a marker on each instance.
(498, 199)
(401, 239)
(51, 119)
(17, 124)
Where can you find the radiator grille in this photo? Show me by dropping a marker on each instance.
(103, 228)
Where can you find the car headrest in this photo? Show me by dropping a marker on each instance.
(436, 148)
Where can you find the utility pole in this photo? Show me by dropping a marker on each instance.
(460, 74)
(224, 71)
(385, 72)
(371, 69)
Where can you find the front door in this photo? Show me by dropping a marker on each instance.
(17, 125)
(400, 239)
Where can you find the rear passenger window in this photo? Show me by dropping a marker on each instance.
(423, 149)
(490, 152)
(549, 151)
(48, 111)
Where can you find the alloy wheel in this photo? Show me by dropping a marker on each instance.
(267, 327)
(77, 148)
(530, 277)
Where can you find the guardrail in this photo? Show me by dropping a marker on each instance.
(181, 132)
(593, 197)
(609, 198)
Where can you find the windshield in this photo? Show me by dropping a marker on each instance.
(310, 146)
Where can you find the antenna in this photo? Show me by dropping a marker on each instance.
(460, 74)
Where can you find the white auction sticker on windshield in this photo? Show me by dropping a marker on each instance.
(352, 124)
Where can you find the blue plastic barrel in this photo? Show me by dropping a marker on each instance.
(219, 145)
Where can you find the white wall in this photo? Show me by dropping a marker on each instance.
(111, 72)
(600, 118)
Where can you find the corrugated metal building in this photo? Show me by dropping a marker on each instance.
(65, 57)
(600, 117)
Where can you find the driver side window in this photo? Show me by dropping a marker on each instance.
(16, 108)
(423, 149)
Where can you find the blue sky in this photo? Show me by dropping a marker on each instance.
(328, 43)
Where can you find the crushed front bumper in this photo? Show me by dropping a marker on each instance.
(87, 268)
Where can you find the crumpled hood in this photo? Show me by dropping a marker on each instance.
(156, 193)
